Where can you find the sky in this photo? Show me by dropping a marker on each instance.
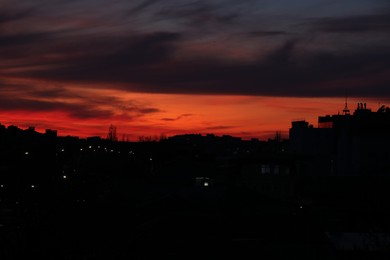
(152, 67)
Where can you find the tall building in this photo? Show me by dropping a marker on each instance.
(357, 144)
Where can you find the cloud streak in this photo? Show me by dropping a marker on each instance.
(376, 23)
(175, 119)
(159, 60)
(76, 104)
(86, 59)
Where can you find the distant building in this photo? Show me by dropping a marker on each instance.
(356, 144)
(94, 139)
(203, 182)
(51, 133)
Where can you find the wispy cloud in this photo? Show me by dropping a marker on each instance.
(266, 33)
(374, 23)
(219, 127)
(146, 46)
(176, 118)
(76, 104)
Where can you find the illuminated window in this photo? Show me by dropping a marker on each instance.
(265, 169)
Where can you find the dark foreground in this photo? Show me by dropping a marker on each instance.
(148, 219)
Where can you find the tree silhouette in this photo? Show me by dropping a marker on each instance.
(112, 133)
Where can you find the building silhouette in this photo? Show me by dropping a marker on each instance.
(320, 193)
(344, 145)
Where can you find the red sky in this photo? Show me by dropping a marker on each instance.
(151, 67)
(146, 114)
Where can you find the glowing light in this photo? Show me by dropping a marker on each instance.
(32, 186)
(81, 149)
(64, 177)
(62, 150)
(26, 153)
(206, 184)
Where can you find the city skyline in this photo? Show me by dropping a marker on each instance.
(167, 67)
(322, 109)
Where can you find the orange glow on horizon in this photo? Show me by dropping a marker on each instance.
(140, 114)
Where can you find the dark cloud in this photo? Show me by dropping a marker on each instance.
(199, 14)
(10, 14)
(354, 24)
(158, 58)
(79, 111)
(266, 33)
(147, 65)
(21, 40)
(142, 6)
(80, 106)
(52, 92)
(148, 110)
(105, 59)
(146, 49)
(284, 72)
(219, 127)
(82, 112)
(7, 86)
(135, 108)
(177, 118)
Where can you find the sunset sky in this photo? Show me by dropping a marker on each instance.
(151, 67)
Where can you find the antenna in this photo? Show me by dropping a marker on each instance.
(346, 110)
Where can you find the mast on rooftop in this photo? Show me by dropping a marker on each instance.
(346, 110)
